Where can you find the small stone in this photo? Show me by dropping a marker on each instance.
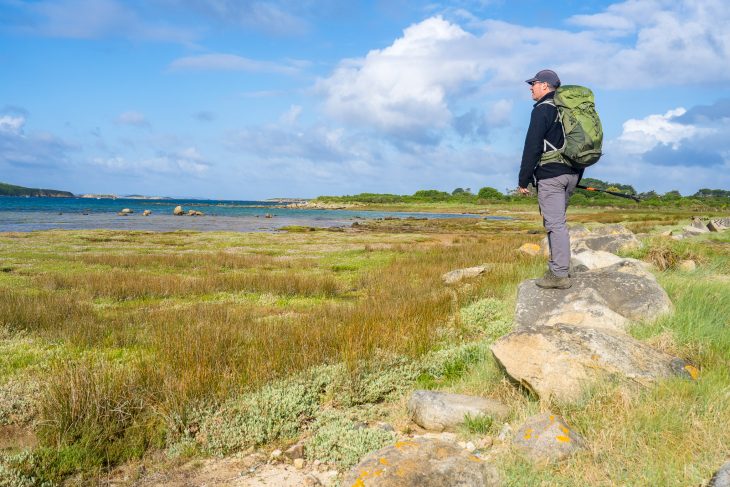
(126, 211)
(316, 463)
(687, 266)
(299, 463)
(311, 481)
(178, 210)
(471, 446)
(485, 442)
(295, 451)
(505, 432)
(275, 454)
(546, 438)
(146, 212)
(385, 427)
(530, 249)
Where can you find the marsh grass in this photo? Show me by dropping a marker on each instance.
(370, 296)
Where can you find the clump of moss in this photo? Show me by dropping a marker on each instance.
(282, 409)
(277, 410)
(18, 401)
(338, 440)
(487, 315)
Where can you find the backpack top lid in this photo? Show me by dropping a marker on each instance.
(572, 96)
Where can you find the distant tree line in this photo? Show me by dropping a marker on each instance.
(487, 195)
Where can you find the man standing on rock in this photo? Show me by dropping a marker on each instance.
(555, 180)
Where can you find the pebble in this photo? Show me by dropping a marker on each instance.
(299, 463)
(471, 446)
(276, 454)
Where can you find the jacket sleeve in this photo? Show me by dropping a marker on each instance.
(539, 125)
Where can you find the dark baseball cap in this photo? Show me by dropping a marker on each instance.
(545, 76)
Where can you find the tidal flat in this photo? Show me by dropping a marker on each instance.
(122, 348)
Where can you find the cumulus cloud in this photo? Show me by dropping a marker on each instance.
(642, 135)
(680, 149)
(403, 89)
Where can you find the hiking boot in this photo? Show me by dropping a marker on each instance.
(551, 281)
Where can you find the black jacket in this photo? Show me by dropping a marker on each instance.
(544, 125)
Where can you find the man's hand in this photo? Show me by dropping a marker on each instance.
(523, 190)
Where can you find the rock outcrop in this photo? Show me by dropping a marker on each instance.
(440, 411)
(626, 288)
(422, 462)
(561, 361)
(546, 438)
(721, 477)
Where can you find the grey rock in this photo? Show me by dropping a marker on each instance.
(460, 274)
(627, 288)
(441, 411)
(547, 438)
(295, 451)
(561, 361)
(690, 231)
(697, 223)
(584, 257)
(716, 226)
(585, 308)
(423, 462)
(610, 243)
(721, 478)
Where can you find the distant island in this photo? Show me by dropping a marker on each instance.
(124, 197)
(12, 190)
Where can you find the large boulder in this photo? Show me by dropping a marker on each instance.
(561, 361)
(584, 258)
(716, 226)
(721, 477)
(459, 274)
(178, 210)
(440, 411)
(546, 438)
(627, 288)
(586, 308)
(422, 462)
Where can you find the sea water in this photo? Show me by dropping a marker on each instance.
(18, 214)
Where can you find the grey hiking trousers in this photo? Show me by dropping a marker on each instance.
(552, 196)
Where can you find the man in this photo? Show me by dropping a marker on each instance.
(555, 180)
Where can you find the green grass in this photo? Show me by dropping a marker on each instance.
(192, 342)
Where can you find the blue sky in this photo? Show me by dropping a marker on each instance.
(248, 100)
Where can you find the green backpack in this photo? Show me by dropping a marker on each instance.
(582, 129)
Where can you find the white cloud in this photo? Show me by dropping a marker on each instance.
(230, 62)
(404, 87)
(132, 118)
(291, 115)
(641, 135)
(11, 124)
(187, 161)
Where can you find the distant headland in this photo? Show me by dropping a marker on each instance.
(12, 190)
